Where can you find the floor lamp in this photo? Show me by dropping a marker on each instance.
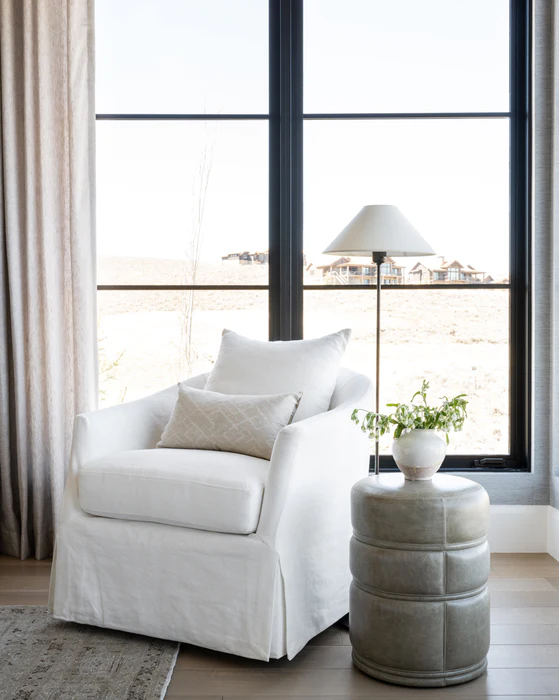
(379, 230)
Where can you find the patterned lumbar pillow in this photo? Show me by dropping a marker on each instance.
(246, 366)
(206, 420)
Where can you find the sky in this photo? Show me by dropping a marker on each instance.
(449, 177)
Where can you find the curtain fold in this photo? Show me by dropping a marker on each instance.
(48, 347)
(546, 243)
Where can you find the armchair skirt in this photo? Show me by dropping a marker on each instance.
(261, 595)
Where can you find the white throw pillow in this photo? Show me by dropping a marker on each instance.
(205, 420)
(246, 366)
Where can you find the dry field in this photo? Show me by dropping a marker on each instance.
(458, 340)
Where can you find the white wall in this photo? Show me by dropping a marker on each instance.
(516, 529)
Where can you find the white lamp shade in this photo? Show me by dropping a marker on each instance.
(380, 228)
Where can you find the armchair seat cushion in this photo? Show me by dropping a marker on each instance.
(201, 489)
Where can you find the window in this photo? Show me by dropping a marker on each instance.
(182, 185)
(426, 105)
(238, 141)
(454, 274)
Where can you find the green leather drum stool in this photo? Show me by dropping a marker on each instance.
(419, 605)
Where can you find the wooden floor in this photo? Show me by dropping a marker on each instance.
(523, 660)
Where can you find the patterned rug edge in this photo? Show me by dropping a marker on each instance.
(166, 682)
(170, 674)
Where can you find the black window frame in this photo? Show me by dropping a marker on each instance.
(286, 286)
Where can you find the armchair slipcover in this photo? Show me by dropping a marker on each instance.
(261, 595)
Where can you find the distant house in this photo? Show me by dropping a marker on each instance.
(246, 258)
(361, 271)
(447, 272)
(310, 269)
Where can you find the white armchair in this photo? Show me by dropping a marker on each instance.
(261, 595)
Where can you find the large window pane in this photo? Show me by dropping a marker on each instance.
(449, 177)
(182, 202)
(150, 340)
(406, 55)
(181, 56)
(457, 340)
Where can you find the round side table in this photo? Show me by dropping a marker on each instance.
(419, 605)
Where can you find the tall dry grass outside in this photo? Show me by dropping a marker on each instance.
(457, 340)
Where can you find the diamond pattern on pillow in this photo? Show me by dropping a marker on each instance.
(247, 424)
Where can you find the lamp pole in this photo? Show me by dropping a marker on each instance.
(378, 259)
(379, 230)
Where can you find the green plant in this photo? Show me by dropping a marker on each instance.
(450, 415)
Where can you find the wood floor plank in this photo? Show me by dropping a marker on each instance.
(341, 682)
(330, 637)
(524, 571)
(525, 616)
(524, 634)
(24, 583)
(421, 694)
(264, 683)
(24, 598)
(497, 681)
(522, 599)
(521, 584)
(311, 657)
(523, 656)
(10, 573)
(523, 559)
(198, 659)
(6, 562)
(168, 696)
(22, 569)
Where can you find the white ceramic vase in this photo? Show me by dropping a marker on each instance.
(419, 454)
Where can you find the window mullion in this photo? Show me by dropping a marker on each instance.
(286, 169)
(520, 213)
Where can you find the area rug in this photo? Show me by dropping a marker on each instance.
(45, 659)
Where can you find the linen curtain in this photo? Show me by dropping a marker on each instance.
(48, 362)
(546, 243)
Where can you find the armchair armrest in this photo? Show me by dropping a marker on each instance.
(314, 464)
(137, 425)
(305, 515)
